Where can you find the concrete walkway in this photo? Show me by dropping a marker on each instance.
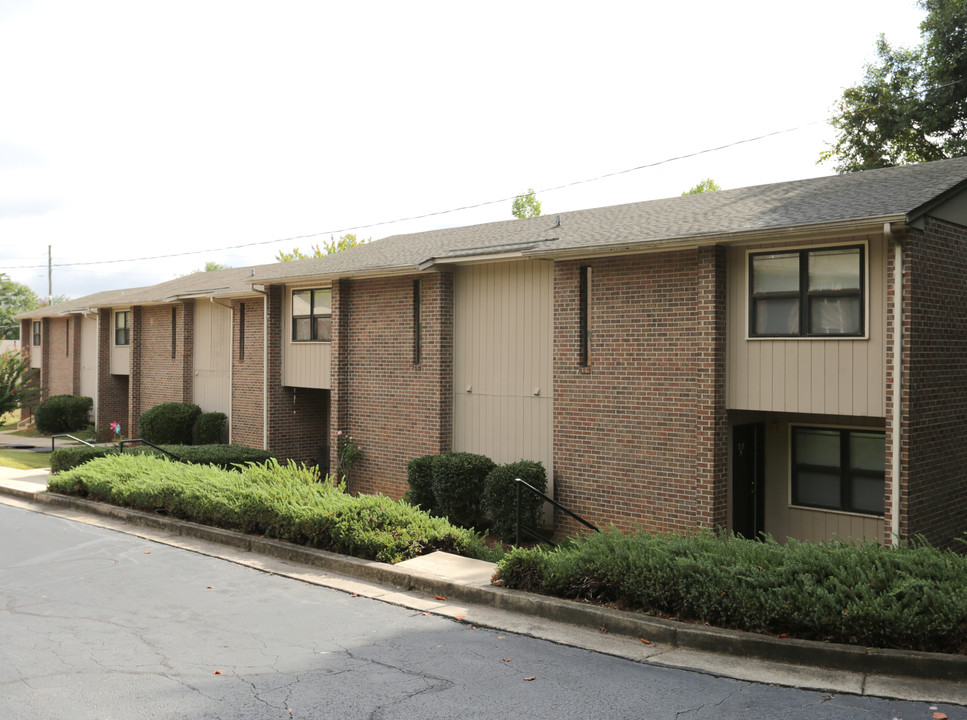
(458, 587)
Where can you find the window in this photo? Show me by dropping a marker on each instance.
(312, 315)
(838, 469)
(584, 329)
(122, 327)
(67, 338)
(241, 332)
(807, 293)
(174, 331)
(36, 332)
(417, 304)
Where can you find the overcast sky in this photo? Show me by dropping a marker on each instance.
(133, 129)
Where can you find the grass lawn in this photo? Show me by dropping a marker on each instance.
(24, 460)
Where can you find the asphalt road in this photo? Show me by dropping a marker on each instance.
(102, 625)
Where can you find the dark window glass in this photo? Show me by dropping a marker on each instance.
(839, 469)
(312, 315)
(122, 327)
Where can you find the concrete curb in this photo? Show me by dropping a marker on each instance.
(829, 656)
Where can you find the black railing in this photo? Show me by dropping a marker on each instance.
(85, 442)
(145, 442)
(532, 532)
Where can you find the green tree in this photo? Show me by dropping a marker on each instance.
(15, 375)
(911, 105)
(706, 185)
(349, 240)
(15, 298)
(526, 205)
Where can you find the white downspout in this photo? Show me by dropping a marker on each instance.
(895, 444)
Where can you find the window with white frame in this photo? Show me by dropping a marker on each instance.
(814, 292)
(312, 315)
(122, 327)
(839, 469)
(35, 328)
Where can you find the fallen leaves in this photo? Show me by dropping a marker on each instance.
(440, 597)
(218, 672)
(646, 642)
(505, 659)
(940, 716)
(603, 628)
(426, 613)
(528, 679)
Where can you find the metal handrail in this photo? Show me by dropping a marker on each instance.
(65, 435)
(146, 442)
(520, 483)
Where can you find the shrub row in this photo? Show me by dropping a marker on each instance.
(468, 488)
(223, 456)
(285, 502)
(909, 597)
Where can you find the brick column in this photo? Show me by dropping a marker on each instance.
(134, 371)
(339, 366)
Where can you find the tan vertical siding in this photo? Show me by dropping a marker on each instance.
(503, 324)
(213, 357)
(88, 330)
(304, 364)
(834, 377)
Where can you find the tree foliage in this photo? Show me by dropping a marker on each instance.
(15, 298)
(526, 205)
(911, 105)
(705, 186)
(15, 376)
(349, 240)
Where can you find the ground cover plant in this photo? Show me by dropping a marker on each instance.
(910, 597)
(228, 457)
(286, 502)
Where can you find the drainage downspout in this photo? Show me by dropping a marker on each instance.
(265, 364)
(896, 435)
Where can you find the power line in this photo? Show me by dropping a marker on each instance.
(430, 214)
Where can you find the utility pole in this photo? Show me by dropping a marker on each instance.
(50, 278)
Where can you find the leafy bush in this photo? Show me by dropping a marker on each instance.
(70, 457)
(500, 496)
(419, 474)
(210, 427)
(168, 423)
(862, 594)
(284, 502)
(458, 481)
(62, 414)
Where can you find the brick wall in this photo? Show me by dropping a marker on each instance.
(298, 418)
(640, 436)
(935, 388)
(248, 372)
(112, 390)
(59, 355)
(393, 408)
(163, 378)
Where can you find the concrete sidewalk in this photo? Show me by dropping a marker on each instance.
(459, 587)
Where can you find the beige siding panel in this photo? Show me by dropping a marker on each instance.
(120, 359)
(304, 364)
(815, 376)
(213, 357)
(503, 324)
(88, 359)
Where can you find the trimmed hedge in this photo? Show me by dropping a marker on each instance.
(168, 423)
(284, 502)
(227, 457)
(209, 428)
(500, 497)
(419, 475)
(909, 598)
(458, 481)
(62, 414)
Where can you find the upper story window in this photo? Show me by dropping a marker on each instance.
(312, 315)
(122, 327)
(35, 329)
(839, 469)
(818, 292)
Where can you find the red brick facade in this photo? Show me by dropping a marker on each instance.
(935, 386)
(394, 408)
(248, 372)
(162, 338)
(640, 434)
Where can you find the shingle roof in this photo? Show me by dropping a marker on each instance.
(891, 193)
